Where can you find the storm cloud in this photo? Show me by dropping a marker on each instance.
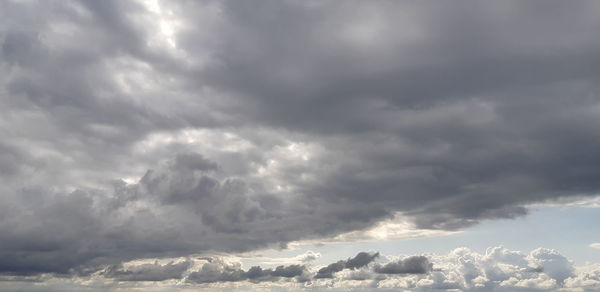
(135, 129)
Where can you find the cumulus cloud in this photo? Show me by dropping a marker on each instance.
(498, 269)
(586, 278)
(329, 270)
(219, 271)
(308, 256)
(360, 260)
(552, 263)
(410, 265)
(138, 129)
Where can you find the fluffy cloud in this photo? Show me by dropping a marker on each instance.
(586, 278)
(138, 129)
(498, 269)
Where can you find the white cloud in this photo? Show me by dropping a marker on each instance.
(498, 269)
(587, 278)
(595, 245)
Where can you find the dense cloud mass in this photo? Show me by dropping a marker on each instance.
(141, 129)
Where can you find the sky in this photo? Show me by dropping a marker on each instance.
(150, 145)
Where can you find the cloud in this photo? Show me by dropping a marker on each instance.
(131, 130)
(328, 271)
(219, 271)
(552, 263)
(586, 278)
(360, 260)
(410, 265)
(595, 245)
(497, 269)
(148, 272)
(308, 256)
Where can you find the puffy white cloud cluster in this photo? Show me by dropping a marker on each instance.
(587, 278)
(498, 269)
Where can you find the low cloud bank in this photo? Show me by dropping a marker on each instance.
(497, 269)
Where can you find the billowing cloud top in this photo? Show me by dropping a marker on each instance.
(137, 129)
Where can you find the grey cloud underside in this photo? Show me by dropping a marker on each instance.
(360, 260)
(411, 265)
(216, 270)
(219, 272)
(449, 113)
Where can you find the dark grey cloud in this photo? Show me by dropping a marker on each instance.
(410, 265)
(362, 259)
(448, 113)
(218, 271)
(329, 270)
(436, 103)
(288, 272)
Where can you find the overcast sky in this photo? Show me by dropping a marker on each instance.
(299, 145)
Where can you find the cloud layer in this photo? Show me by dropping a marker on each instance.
(138, 129)
(498, 269)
